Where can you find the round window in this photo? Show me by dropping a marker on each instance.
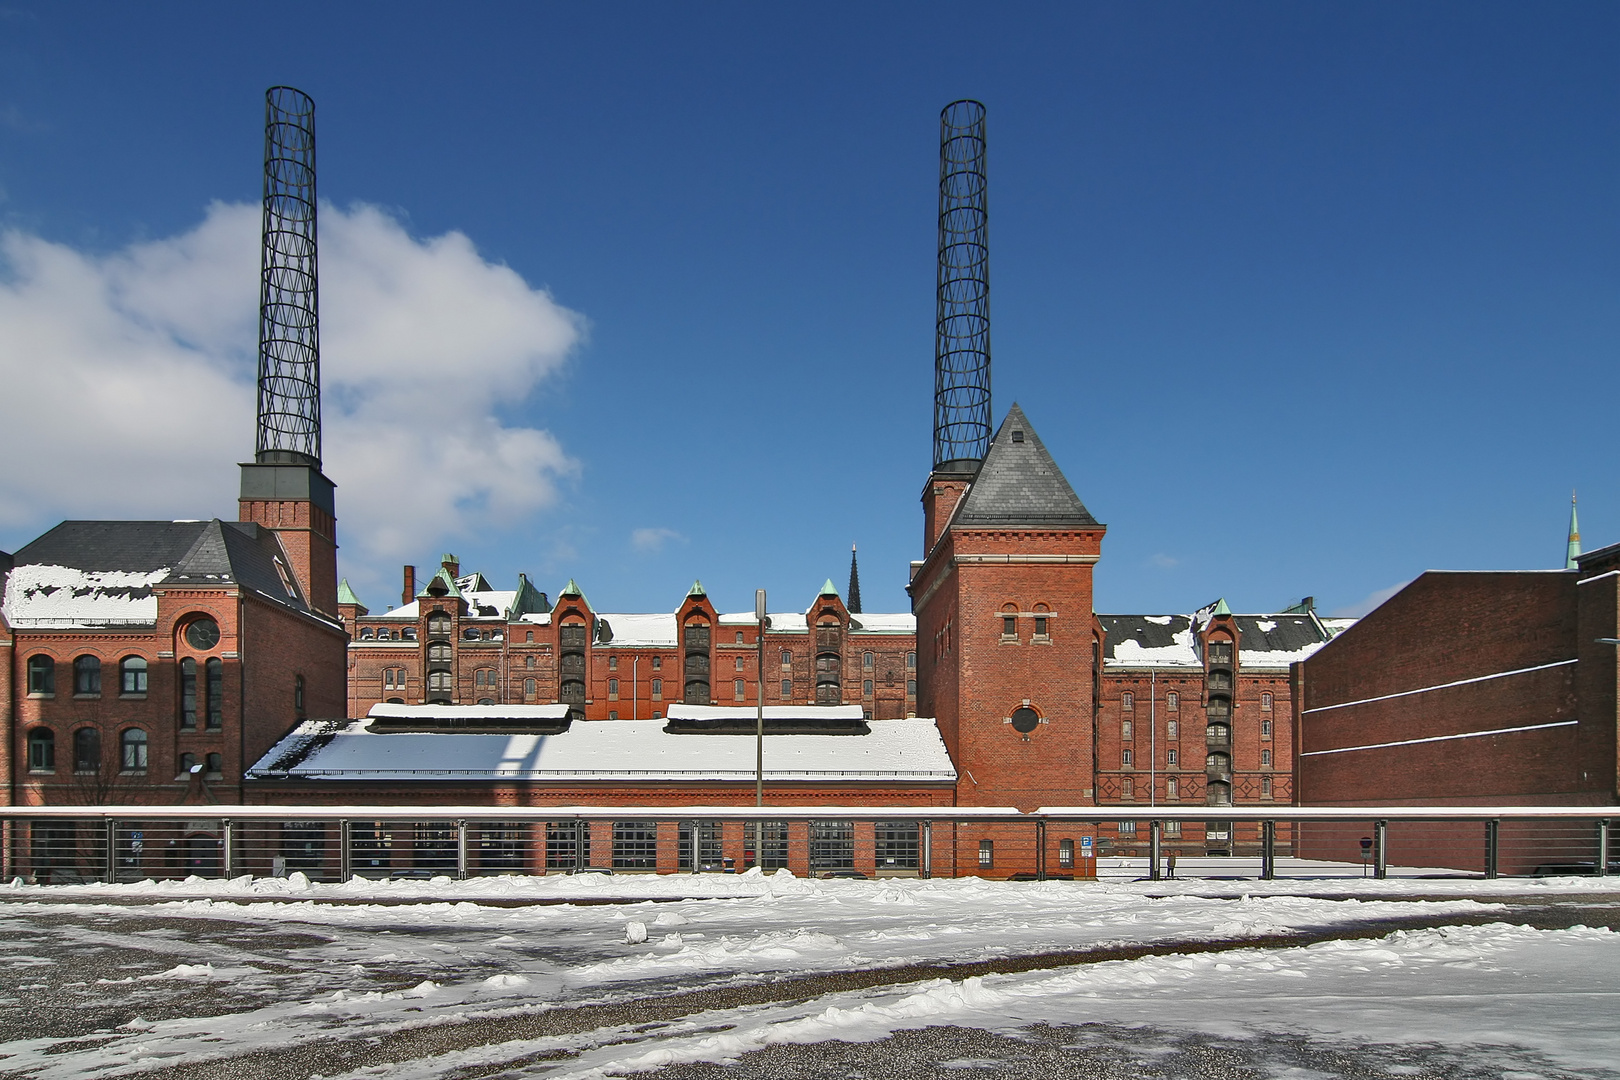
(1025, 719)
(202, 634)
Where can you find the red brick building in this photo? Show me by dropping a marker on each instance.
(153, 661)
(1470, 688)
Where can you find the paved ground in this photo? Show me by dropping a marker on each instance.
(77, 974)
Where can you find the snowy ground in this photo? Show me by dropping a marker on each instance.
(461, 979)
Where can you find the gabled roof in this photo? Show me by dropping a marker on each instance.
(102, 573)
(1020, 484)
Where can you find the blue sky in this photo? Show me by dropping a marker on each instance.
(1304, 299)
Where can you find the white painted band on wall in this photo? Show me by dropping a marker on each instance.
(1442, 686)
(1443, 738)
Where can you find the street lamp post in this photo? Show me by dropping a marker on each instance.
(759, 700)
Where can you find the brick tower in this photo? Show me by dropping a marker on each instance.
(1007, 643)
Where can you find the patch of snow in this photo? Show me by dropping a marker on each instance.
(38, 594)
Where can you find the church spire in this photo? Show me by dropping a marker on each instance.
(1574, 551)
(854, 584)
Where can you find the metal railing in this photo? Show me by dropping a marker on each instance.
(56, 844)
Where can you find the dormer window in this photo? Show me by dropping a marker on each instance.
(1017, 436)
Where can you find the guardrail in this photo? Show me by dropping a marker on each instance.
(52, 844)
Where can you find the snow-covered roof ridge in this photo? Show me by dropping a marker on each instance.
(892, 751)
(43, 595)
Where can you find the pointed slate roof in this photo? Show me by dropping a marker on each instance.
(828, 589)
(1020, 484)
(346, 594)
(696, 589)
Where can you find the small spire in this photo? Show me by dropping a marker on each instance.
(1574, 551)
(696, 589)
(854, 583)
(828, 589)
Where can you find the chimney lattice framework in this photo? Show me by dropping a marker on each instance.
(289, 412)
(962, 322)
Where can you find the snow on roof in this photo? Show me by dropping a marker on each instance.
(884, 623)
(789, 622)
(1149, 641)
(489, 604)
(43, 595)
(772, 712)
(478, 712)
(656, 631)
(637, 750)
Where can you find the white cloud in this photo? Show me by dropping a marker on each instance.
(1162, 561)
(129, 379)
(1367, 603)
(651, 540)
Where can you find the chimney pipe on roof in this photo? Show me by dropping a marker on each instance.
(409, 593)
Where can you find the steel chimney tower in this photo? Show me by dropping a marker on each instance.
(962, 319)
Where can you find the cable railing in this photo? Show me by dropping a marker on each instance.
(76, 844)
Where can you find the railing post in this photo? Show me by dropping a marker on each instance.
(1153, 851)
(1381, 849)
(1268, 850)
(112, 851)
(926, 867)
(1603, 847)
(1493, 839)
(1040, 849)
(227, 861)
(461, 850)
(345, 865)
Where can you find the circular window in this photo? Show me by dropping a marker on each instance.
(1025, 719)
(202, 634)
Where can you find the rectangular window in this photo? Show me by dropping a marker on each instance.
(787, 689)
(1127, 701)
(613, 714)
(613, 663)
(1172, 701)
(867, 660)
(658, 663)
(1065, 854)
(987, 854)
(568, 845)
(1265, 729)
(1171, 828)
(1009, 627)
(529, 688)
(1125, 731)
(1172, 756)
(1125, 757)
(658, 689)
(1220, 652)
(739, 663)
(635, 845)
(188, 693)
(1265, 758)
(1127, 828)
(1172, 788)
(787, 658)
(1172, 729)
(897, 844)
(1265, 702)
(911, 661)
(737, 690)
(1265, 787)
(1040, 626)
(866, 687)
(216, 693)
(1127, 788)
(613, 689)
(911, 688)
(832, 846)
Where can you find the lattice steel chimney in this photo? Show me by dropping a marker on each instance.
(962, 320)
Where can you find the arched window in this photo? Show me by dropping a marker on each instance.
(410, 633)
(1220, 734)
(529, 687)
(298, 699)
(439, 681)
(1127, 700)
(41, 675)
(528, 662)
(470, 634)
(188, 693)
(187, 763)
(658, 688)
(216, 692)
(1265, 701)
(658, 663)
(42, 750)
(133, 749)
(911, 661)
(1218, 763)
(1172, 701)
(87, 675)
(1265, 729)
(867, 661)
(367, 633)
(439, 651)
(132, 675)
(1172, 729)
(528, 635)
(739, 637)
(439, 624)
(738, 690)
(87, 750)
(216, 764)
(1220, 793)
(613, 687)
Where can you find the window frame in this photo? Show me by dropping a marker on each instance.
(136, 666)
(133, 744)
(42, 675)
(87, 675)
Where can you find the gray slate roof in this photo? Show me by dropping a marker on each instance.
(200, 552)
(1020, 484)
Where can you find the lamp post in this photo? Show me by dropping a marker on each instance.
(759, 700)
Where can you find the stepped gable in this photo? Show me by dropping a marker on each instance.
(1020, 484)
